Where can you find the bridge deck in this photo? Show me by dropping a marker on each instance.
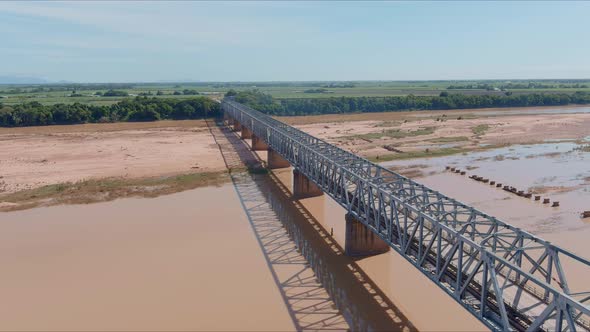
(506, 277)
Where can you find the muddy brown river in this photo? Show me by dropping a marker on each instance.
(191, 261)
(187, 261)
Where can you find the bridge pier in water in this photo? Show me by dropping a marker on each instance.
(303, 187)
(360, 240)
(237, 125)
(229, 120)
(275, 160)
(246, 133)
(258, 144)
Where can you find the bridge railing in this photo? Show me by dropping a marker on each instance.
(506, 277)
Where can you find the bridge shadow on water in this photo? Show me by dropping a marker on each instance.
(322, 288)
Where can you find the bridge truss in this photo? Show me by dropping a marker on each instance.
(506, 277)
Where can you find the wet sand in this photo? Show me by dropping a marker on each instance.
(186, 261)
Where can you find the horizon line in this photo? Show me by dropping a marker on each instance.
(295, 81)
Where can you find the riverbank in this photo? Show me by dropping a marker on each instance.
(148, 158)
(108, 189)
(37, 156)
(406, 135)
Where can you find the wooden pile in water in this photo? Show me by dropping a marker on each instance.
(392, 148)
(510, 189)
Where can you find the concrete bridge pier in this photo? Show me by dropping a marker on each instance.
(360, 240)
(275, 160)
(246, 133)
(303, 187)
(237, 125)
(229, 120)
(258, 144)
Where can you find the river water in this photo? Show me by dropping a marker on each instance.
(186, 261)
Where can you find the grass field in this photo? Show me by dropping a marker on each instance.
(480, 129)
(279, 90)
(87, 97)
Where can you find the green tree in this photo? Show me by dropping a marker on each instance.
(231, 93)
(115, 93)
(148, 113)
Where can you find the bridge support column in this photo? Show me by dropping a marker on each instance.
(276, 161)
(229, 120)
(360, 240)
(258, 144)
(237, 125)
(303, 187)
(246, 133)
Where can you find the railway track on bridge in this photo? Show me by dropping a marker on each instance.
(506, 277)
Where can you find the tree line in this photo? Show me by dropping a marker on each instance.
(137, 109)
(334, 105)
(523, 85)
(65, 87)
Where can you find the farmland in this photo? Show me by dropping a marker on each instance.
(87, 93)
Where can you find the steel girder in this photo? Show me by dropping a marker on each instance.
(506, 277)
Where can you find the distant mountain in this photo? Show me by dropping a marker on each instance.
(22, 80)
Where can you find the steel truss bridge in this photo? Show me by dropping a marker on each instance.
(508, 278)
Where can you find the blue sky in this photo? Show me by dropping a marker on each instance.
(281, 41)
